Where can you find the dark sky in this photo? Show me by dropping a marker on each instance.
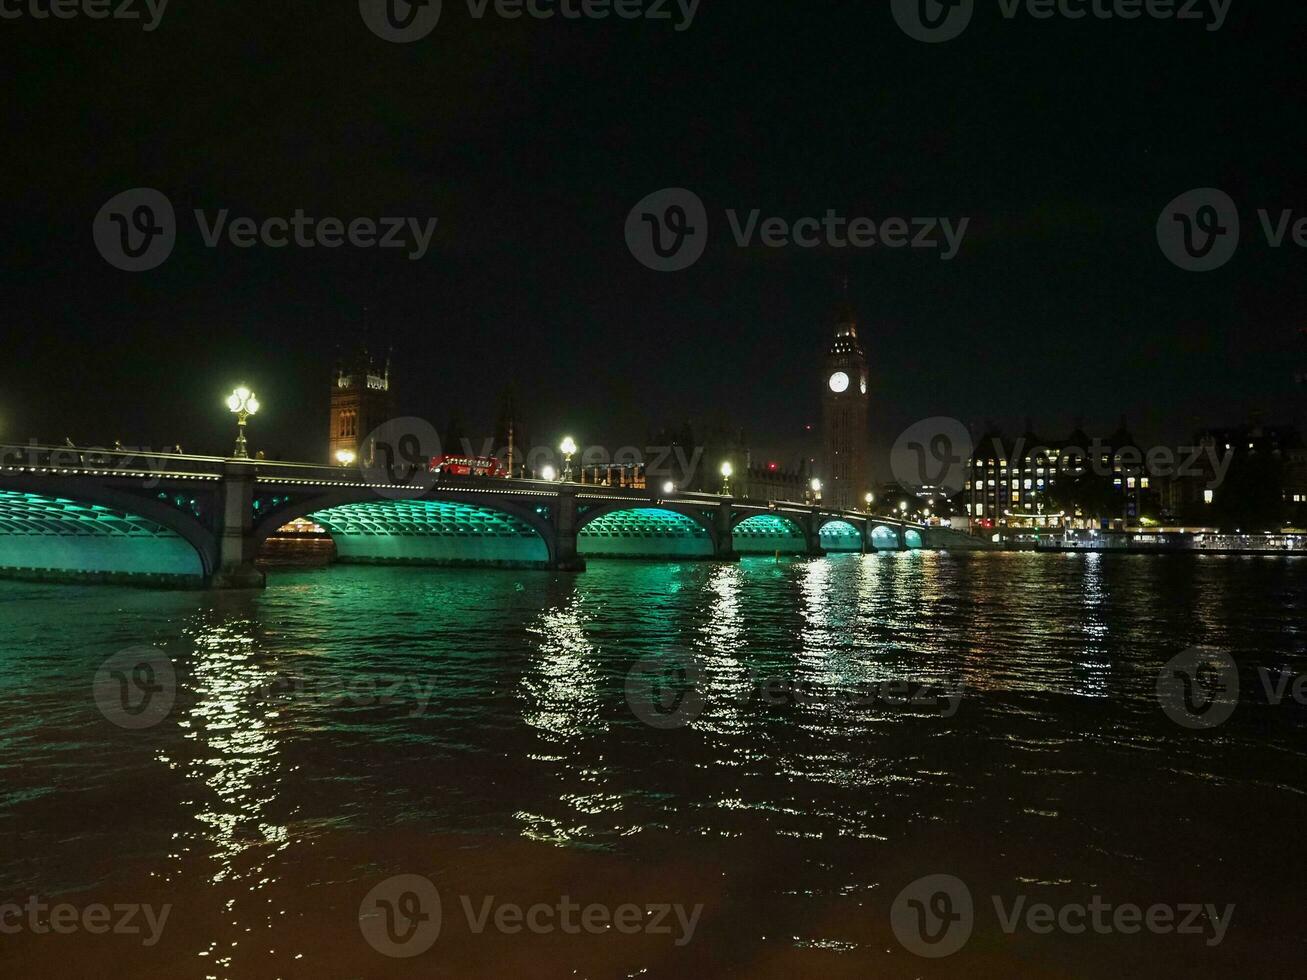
(531, 141)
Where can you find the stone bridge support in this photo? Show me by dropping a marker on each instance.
(238, 546)
(566, 557)
(725, 536)
(812, 531)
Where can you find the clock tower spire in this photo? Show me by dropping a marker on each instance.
(845, 471)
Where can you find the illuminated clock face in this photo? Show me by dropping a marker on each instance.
(863, 384)
(839, 381)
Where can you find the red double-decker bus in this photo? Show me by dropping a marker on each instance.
(468, 466)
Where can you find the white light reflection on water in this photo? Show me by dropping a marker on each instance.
(1091, 679)
(560, 692)
(236, 758)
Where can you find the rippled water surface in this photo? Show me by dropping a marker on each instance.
(472, 726)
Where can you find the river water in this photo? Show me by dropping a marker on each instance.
(783, 746)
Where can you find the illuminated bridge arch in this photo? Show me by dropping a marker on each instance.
(433, 532)
(618, 531)
(46, 535)
(912, 538)
(765, 534)
(838, 535)
(884, 538)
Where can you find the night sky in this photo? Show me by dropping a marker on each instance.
(531, 141)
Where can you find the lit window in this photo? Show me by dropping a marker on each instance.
(1144, 483)
(1130, 483)
(1116, 482)
(1208, 496)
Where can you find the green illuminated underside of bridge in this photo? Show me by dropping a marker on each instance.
(49, 535)
(764, 534)
(431, 532)
(840, 536)
(645, 532)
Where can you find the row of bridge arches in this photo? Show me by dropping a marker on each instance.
(48, 535)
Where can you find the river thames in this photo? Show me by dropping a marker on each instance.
(849, 725)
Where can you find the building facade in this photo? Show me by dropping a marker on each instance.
(361, 400)
(1079, 481)
(845, 468)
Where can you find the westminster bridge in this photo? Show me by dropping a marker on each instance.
(71, 514)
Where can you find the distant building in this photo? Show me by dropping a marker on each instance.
(1030, 481)
(361, 400)
(771, 482)
(845, 469)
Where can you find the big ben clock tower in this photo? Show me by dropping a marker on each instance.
(845, 472)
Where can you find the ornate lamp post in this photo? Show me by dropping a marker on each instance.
(346, 457)
(243, 404)
(548, 473)
(567, 448)
(870, 499)
(727, 472)
(816, 490)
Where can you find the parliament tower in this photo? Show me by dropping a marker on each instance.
(360, 402)
(846, 474)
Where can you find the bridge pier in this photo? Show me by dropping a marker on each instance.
(237, 545)
(725, 534)
(812, 532)
(566, 556)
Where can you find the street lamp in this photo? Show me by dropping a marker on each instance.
(727, 471)
(243, 404)
(549, 473)
(567, 448)
(669, 488)
(346, 457)
(870, 499)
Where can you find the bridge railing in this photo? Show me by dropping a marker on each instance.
(96, 461)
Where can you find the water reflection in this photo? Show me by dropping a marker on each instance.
(231, 726)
